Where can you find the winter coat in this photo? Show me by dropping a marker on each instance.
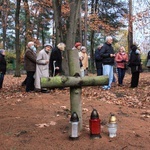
(148, 55)
(105, 52)
(2, 64)
(30, 60)
(98, 59)
(121, 59)
(42, 68)
(84, 60)
(56, 57)
(148, 60)
(135, 62)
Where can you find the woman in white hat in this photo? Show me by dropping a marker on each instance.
(42, 66)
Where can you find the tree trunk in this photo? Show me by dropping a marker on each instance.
(85, 23)
(17, 41)
(64, 81)
(43, 38)
(57, 18)
(130, 26)
(92, 68)
(5, 12)
(28, 32)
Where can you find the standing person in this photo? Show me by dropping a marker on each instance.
(77, 46)
(148, 60)
(121, 58)
(56, 59)
(84, 55)
(98, 61)
(135, 64)
(108, 56)
(42, 66)
(30, 66)
(2, 66)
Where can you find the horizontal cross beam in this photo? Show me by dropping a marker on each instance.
(69, 81)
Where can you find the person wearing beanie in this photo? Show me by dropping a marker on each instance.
(84, 55)
(42, 66)
(135, 64)
(77, 46)
(2, 66)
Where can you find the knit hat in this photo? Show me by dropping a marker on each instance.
(48, 44)
(78, 44)
(83, 47)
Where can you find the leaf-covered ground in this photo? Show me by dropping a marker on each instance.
(40, 121)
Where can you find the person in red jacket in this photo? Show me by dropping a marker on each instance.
(121, 58)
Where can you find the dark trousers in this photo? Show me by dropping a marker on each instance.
(30, 81)
(99, 71)
(135, 79)
(121, 74)
(1, 79)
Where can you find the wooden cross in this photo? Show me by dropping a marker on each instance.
(75, 82)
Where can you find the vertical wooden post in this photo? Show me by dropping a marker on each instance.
(75, 92)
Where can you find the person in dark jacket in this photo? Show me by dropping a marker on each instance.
(2, 66)
(98, 61)
(56, 59)
(135, 64)
(148, 60)
(30, 66)
(108, 57)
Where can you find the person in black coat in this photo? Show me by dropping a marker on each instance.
(148, 60)
(2, 67)
(108, 59)
(98, 61)
(56, 59)
(135, 64)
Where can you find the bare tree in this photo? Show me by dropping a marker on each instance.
(4, 15)
(85, 23)
(57, 20)
(17, 41)
(130, 26)
(28, 32)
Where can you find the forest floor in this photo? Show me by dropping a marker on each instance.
(40, 121)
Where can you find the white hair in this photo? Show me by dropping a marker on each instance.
(30, 43)
(61, 46)
(108, 38)
(2, 51)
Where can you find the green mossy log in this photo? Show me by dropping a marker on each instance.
(68, 81)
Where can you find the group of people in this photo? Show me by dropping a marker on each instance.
(37, 65)
(106, 58)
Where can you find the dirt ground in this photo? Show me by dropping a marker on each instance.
(40, 121)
